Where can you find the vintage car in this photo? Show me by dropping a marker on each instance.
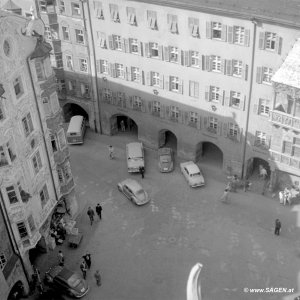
(165, 160)
(135, 156)
(192, 174)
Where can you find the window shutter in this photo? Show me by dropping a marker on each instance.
(180, 116)
(230, 35)
(123, 44)
(186, 56)
(166, 54)
(113, 70)
(223, 97)
(147, 50)
(199, 122)
(219, 128)
(82, 89)
(160, 52)
(39, 70)
(150, 105)
(142, 78)
(148, 78)
(203, 63)
(268, 140)
(229, 69)
(126, 45)
(245, 72)
(259, 75)
(143, 106)
(247, 38)
(170, 22)
(162, 111)
(180, 57)
(186, 117)
(224, 33)
(239, 134)
(70, 85)
(242, 102)
(128, 74)
(226, 100)
(208, 30)
(261, 41)
(167, 84)
(98, 66)
(208, 63)
(196, 90)
(161, 81)
(130, 98)
(140, 48)
(207, 92)
(223, 66)
(191, 25)
(255, 109)
(111, 42)
(149, 20)
(180, 86)
(225, 128)
(278, 45)
(167, 111)
(205, 122)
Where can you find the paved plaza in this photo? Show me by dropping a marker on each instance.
(146, 253)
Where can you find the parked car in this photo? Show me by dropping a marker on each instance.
(165, 159)
(133, 191)
(192, 173)
(135, 156)
(67, 281)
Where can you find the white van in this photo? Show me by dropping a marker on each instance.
(135, 156)
(76, 130)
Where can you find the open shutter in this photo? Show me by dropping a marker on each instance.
(186, 56)
(124, 41)
(140, 48)
(225, 129)
(255, 109)
(126, 45)
(128, 74)
(199, 122)
(242, 102)
(222, 66)
(268, 140)
(205, 122)
(239, 134)
(167, 111)
(261, 41)
(229, 69)
(245, 72)
(223, 97)
(82, 88)
(167, 84)
(142, 78)
(259, 75)
(180, 86)
(180, 57)
(247, 38)
(186, 118)
(226, 100)
(180, 116)
(130, 100)
(208, 30)
(166, 54)
(219, 128)
(113, 72)
(162, 111)
(150, 106)
(191, 25)
(206, 63)
(98, 66)
(147, 50)
(111, 42)
(160, 52)
(148, 78)
(206, 95)
(196, 89)
(278, 44)
(161, 81)
(224, 33)
(230, 35)
(143, 108)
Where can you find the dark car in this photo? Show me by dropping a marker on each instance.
(67, 281)
(165, 159)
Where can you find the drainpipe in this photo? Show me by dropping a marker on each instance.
(244, 171)
(11, 235)
(94, 78)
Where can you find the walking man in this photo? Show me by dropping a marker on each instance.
(98, 277)
(61, 258)
(142, 171)
(277, 227)
(225, 196)
(122, 125)
(83, 268)
(88, 260)
(111, 151)
(91, 215)
(99, 210)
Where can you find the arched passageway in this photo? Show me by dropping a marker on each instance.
(71, 109)
(17, 291)
(121, 124)
(210, 154)
(167, 138)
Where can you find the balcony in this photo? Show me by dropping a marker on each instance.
(31, 241)
(285, 159)
(285, 120)
(60, 156)
(54, 121)
(17, 213)
(66, 188)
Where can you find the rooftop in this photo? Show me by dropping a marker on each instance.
(286, 12)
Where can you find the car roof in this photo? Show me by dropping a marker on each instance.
(65, 274)
(134, 149)
(192, 167)
(164, 151)
(54, 271)
(133, 184)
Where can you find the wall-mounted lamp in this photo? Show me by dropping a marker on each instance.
(155, 92)
(214, 108)
(104, 79)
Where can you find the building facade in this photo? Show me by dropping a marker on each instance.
(193, 73)
(35, 172)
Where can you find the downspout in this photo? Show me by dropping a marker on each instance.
(244, 171)
(94, 78)
(11, 235)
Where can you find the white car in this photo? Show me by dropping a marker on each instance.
(192, 174)
(135, 157)
(133, 191)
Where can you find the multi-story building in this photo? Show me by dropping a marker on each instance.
(197, 74)
(35, 172)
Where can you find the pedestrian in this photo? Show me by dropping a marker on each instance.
(98, 277)
(277, 227)
(83, 268)
(225, 196)
(111, 151)
(88, 260)
(122, 125)
(61, 258)
(91, 215)
(142, 171)
(99, 211)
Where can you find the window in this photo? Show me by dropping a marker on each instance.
(239, 35)
(43, 6)
(98, 9)
(137, 102)
(61, 85)
(61, 139)
(2, 115)
(215, 94)
(10, 150)
(12, 195)
(195, 59)
(120, 71)
(261, 139)
(18, 87)
(154, 50)
(83, 66)
(27, 124)
(47, 33)
(135, 74)
(72, 85)
(264, 107)
(131, 16)
(134, 46)
(75, 9)
(194, 27)
(117, 40)
(155, 79)
(7, 154)
(3, 158)
(233, 130)
(174, 57)
(174, 112)
(216, 30)
(194, 89)
(267, 74)
(216, 63)
(103, 66)
(69, 62)
(114, 13)
(156, 107)
(85, 89)
(22, 230)
(59, 61)
(60, 176)
(66, 33)
(107, 95)
(235, 99)
(173, 23)
(270, 40)
(62, 8)
(37, 162)
(174, 84)
(31, 224)
(152, 19)
(237, 67)
(44, 195)
(3, 261)
(101, 40)
(213, 124)
(79, 36)
(53, 143)
(193, 117)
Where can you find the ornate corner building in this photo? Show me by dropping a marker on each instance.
(35, 172)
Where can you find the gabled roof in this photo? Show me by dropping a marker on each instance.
(10, 5)
(289, 72)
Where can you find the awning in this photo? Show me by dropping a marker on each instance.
(289, 72)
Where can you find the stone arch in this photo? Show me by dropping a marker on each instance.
(121, 123)
(167, 138)
(210, 153)
(17, 291)
(71, 109)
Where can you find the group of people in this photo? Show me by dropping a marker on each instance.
(91, 213)
(285, 196)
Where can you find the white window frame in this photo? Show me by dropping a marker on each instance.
(216, 30)
(76, 10)
(233, 130)
(117, 39)
(27, 123)
(62, 7)
(131, 16)
(174, 83)
(213, 123)
(237, 68)
(24, 235)
(193, 117)
(215, 94)
(14, 192)
(270, 41)
(83, 65)
(120, 71)
(264, 107)
(134, 46)
(3, 261)
(174, 54)
(261, 138)
(137, 102)
(48, 34)
(79, 36)
(195, 59)
(154, 50)
(69, 62)
(18, 81)
(107, 95)
(66, 33)
(135, 74)
(155, 79)
(43, 6)
(194, 89)
(267, 74)
(174, 110)
(156, 107)
(216, 63)
(103, 66)
(152, 19)
(234, 98)
(239, 35)
(44, 195)
(37, 163)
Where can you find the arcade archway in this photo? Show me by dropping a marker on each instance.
(72, 109)
(167, 138)
(209, 153)
(121, 124)
(17, 291)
